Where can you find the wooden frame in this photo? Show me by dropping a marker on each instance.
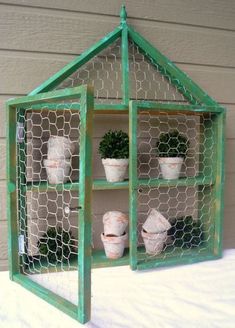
(85, 95)
(217, 182)
(200, 103)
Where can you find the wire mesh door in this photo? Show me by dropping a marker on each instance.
(53, 197)
(176, 183)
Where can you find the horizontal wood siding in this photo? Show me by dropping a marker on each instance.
(40, 37)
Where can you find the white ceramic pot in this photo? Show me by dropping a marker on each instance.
(115, 169)
(154, 242)
(57, 170)
(170, 167)
(114, 246)
(59, 148)
(115, 223)
(156, 222)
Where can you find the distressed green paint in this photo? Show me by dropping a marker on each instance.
(76, 106)
(125, 65)
(178, 77)
(22, 208)
(184, 182)
(85, 94)
(171, 107)
(13, 262)
(177, 260)
(210, 186)
(133, 185)
(47, 97)
(84, 219)
(99, 259)
(70, 68)
(219, 194)
(98, 184)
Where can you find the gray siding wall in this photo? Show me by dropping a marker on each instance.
(37, 38)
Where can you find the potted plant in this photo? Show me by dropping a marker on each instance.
(171, 148)
(114, 236)
(114, 151)
(154, 232)
(186, 232)
(58, 162)
(56, 245)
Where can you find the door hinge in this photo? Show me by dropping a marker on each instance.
(20, 132)
(21, 244)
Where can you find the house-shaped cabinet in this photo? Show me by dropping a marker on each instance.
(121, 82)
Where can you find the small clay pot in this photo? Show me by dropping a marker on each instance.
(59, 148)
(115, 223)
(57, 170)
(115, 169)
(156, 222)
(170, 167)
(114, 245)
(154, 242)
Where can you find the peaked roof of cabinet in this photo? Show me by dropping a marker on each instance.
(176, 77)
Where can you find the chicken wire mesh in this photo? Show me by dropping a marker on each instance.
(103, 72)
(186, 202)
(147, 79)
(47, 164)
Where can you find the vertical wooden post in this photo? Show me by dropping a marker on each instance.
(21, 178)
(85, 193)
(133, 184)
(124, 55)
(219, 184)
(12, 193)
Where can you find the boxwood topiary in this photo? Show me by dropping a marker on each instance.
(114, 144)
(186, 232)
(172, 144)
(56, 245)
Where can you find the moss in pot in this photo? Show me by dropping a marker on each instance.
(114, 151)
(172, 149)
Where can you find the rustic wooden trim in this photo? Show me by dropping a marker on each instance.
(85, 199)
(13, 260)
(133, 184)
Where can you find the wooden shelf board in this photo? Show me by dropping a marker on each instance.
(102, 184)
(170, 256)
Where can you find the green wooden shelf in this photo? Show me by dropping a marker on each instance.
(175, 256)
(98, 184)
(186, 181)
(99, 260)
(102, 184)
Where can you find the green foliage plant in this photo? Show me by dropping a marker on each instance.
(56, 245)
(114, 144)
(172, 144)
(186, 232)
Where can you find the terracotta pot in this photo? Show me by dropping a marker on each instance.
(113, 245)
(115, 169)
(115, 223)
(170, 167)
(59, 148)
(154, 242)
(156, 222)
(57, 170)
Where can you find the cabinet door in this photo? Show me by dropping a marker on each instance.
(184, 212)
(49, 199)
